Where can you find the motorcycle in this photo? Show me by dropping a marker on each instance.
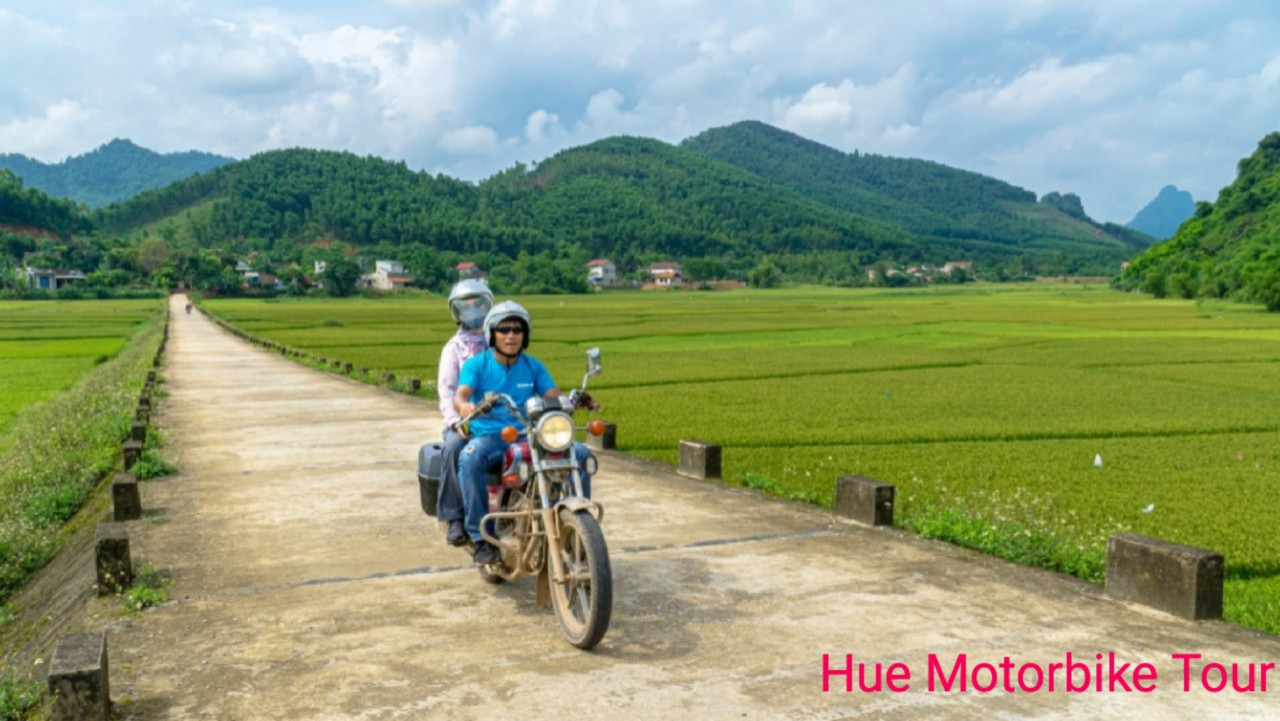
(539, 520)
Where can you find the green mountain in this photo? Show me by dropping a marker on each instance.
(1228, 249)
(631, 199)
(111, 173)
(747, 201)
(734, 194)
(1161, 217)
(965, 212)
(637, 196)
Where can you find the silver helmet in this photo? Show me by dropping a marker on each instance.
(503, 311)
(469, 302)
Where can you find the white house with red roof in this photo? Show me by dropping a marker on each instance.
(601, 273)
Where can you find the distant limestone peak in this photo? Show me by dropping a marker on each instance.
(1164, 214)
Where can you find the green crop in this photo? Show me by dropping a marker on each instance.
(1029, 421)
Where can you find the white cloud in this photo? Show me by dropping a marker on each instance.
(1050, 87)
(409, 80)
(1109, 99)
(850, 114)
(472, 140)
(1270, 73)
(45, 137)
(605, 107)
(234, 61)
(542, 126)
(752, 42)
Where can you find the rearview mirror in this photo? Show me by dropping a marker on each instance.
(593, 362)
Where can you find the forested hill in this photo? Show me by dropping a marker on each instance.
(744, 202)
(933, 201)
(628, 197)
(634, 200)
(111, 173)
(27, 208)
(1228, 249)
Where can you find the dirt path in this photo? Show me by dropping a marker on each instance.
(309, 585)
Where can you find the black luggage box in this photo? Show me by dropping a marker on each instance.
(429, 476)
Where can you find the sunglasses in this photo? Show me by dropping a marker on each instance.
(509, 330)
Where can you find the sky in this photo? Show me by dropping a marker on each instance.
(1109, 99)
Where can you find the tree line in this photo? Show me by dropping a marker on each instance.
(534, 227)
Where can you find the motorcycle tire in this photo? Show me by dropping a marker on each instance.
(584, 601)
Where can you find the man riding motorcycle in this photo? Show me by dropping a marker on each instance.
(504, 368)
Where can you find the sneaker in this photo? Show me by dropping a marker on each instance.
(484, 553)
(456, 535)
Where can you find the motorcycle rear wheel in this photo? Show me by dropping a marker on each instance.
(583, 602)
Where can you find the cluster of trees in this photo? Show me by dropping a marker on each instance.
(748, 202)
(30, 208)
(1228, 249)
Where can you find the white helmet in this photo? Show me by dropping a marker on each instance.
(502, 311)
(469, 302)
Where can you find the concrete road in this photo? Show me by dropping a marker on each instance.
(308, 584)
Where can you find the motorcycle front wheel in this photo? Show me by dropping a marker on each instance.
(583, 601)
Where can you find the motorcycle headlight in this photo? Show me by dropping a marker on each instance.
(555, 432)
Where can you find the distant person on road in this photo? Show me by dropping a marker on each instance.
(504, 368)
(469, 303)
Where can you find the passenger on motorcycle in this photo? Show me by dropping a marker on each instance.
(504, 368)
(469, 302)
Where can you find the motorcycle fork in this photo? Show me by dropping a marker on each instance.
(552, 564)
(551, 527)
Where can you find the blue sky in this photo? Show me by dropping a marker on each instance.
(1109, 100)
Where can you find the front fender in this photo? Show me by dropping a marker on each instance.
(573, 504)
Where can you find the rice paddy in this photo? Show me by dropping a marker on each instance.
(1071, 409)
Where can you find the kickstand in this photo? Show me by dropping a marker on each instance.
(542, 594)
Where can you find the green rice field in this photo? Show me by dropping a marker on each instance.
(46, 346)
(1055, 413)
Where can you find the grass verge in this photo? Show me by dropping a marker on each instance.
(20, 699)
(58, 451)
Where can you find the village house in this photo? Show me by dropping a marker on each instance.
(467, 269)
(873, 275)
(251, 279)
(260, 280)
(602, 273)
(387, 275)
(665, 274)
(52, 278)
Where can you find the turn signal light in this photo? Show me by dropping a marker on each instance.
(510, 434)
(596, 427)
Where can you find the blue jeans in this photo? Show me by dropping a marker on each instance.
(449, 496)
(483, 454)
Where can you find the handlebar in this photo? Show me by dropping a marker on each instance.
(577, 399)
(490, 400)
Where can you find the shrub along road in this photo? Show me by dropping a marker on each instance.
(309, 585)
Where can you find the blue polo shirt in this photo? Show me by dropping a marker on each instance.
(522, 380)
